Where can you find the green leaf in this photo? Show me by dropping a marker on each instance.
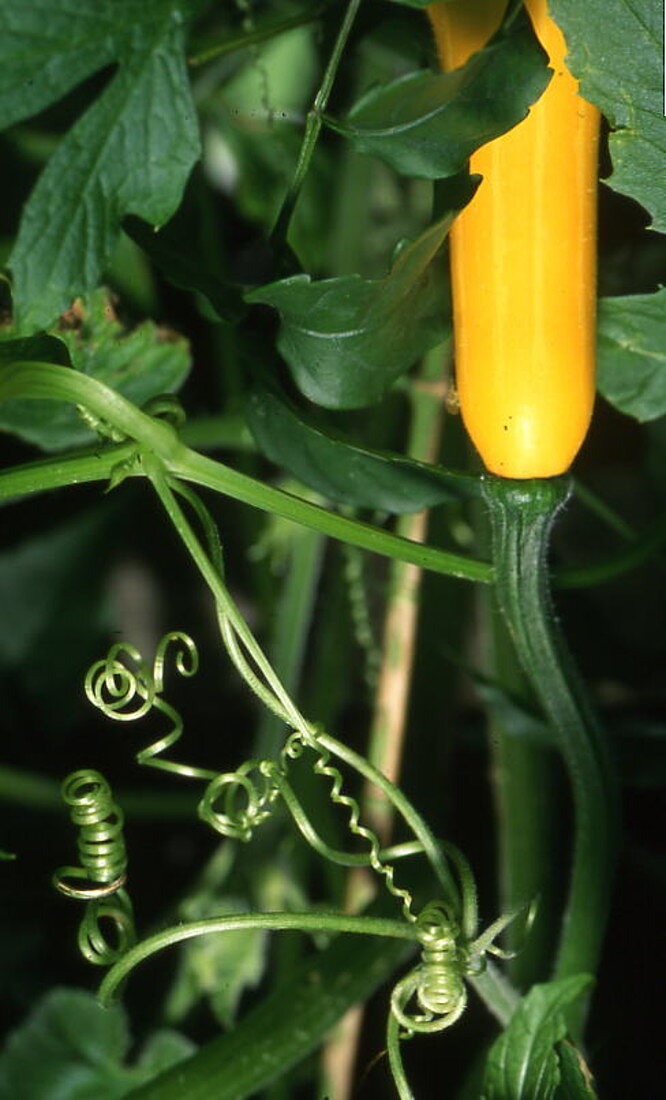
(163, 1049)
(576, 1082)
(616, 50)
(342, 470)
(427, 124)
(130, 153)
(632, 353)
(218, 968)
(347, 339)
(523, 1063)
(139, 365)
(70, 1047)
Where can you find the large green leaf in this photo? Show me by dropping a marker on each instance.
(70, 1047)
(632, 353)
(427, 124)
(139, 364)
(342, 470)
(347, 339)
(523, 1063)
(130, 153)
(616, 49)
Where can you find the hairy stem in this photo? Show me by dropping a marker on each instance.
(522, 515)
(297, 922)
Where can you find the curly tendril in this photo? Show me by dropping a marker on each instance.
(235, 803)
(125, 688)
(100, 879)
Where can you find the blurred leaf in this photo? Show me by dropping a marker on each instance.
(70, 1047)
(342, 470)
(162, 1050)
(617, 52)
(347, 339)
(523, 1063)
(427, 124)
(130, 152)
(632, 353)
(217, 968)
(138, 364)
(577, 1082)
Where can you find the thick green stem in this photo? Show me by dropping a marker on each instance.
(522, 515)
(525, 791)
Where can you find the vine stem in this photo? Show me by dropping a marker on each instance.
(314, 124)
(281, 922)
(285, 705)
(522, 515)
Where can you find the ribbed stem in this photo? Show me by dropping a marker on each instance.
(522, 515)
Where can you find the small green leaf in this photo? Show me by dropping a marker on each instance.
(342, 470)
(139, 364)
(130, 153)
(70, 1047)
(632, 353)
(576, 1082)
(217, 968)
(616, 49)
(163, 1049)
(427, 124)
(523, 1063)
(347, 339)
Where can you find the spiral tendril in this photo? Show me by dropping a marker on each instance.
(323, 767)
(125, 688)
(100, 878)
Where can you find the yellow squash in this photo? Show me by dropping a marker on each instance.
(523, 257)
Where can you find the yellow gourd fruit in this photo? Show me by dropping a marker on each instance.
(523, 260)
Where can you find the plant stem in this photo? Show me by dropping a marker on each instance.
(314, 124)
(204, 471)
(282, 922)
(526, 801)
(522, 515)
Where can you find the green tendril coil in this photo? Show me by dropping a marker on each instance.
(124, 688)
(100, 878)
